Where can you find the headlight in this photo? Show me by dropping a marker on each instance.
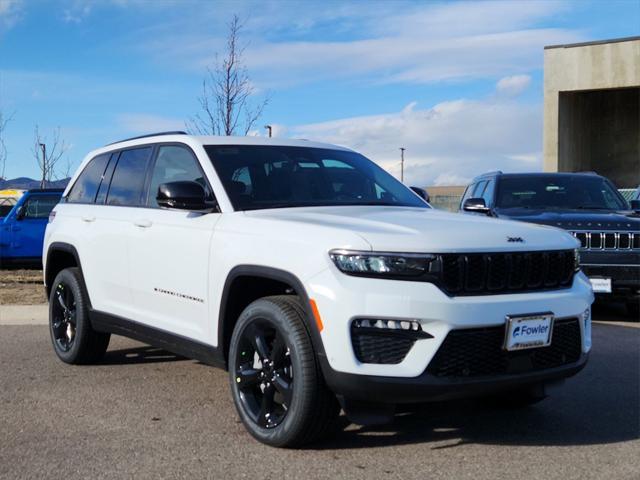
(576, 260)
(389, 265)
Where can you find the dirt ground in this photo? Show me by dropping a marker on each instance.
(21, 286)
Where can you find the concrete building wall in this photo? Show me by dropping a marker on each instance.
(592, 109)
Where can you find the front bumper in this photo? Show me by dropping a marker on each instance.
(625, 279)
(426, 387)
(341, 299)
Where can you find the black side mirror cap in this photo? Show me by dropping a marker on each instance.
(422, 193)
(476, 205)
(183, 195)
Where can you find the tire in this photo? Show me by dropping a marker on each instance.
(519, 398)
(274, 328)
(633, 310)
(72, 336)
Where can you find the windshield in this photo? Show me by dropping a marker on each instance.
(258, 177)
(560, 191)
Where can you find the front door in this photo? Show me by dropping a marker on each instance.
(169, 251)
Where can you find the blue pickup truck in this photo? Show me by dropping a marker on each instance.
(22, 229)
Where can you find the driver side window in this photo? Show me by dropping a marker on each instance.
(175, 164)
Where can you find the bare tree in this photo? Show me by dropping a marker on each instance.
(4, 120)
(226, 99)
(48, 154)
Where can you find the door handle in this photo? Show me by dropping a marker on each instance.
(142, 223)
(88, 219)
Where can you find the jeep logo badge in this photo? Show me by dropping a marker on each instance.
(515, 239)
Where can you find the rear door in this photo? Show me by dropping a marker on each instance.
(169, 251)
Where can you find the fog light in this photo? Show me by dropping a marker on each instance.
(586, 319)
(412, 327)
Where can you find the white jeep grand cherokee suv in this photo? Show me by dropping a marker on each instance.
(318, 280)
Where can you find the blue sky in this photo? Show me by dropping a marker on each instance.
(458, 84)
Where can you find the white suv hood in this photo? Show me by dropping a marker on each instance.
(403, 229)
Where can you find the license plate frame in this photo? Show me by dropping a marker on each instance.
(600, 284)
(531, 320)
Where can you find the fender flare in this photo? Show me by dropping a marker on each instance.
(63, 247)
(271, 274)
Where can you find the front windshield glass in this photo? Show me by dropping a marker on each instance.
(258, 177)
(558, 191)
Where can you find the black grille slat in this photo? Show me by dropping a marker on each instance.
(493, 273)
(624, 240)
(478, 352)
(582, 236)
(609, 240)
(596, 240)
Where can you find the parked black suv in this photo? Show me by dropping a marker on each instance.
(585, 204)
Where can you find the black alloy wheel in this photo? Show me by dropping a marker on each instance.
(264, 374)
(276, 378)
(73, 337)
(63, 311)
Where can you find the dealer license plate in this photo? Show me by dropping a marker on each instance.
(528, 331)
(601, 285)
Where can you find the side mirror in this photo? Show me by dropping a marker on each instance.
(21, 212)
(182, 196)
(421, 192)
(476, 205)
(635, 205)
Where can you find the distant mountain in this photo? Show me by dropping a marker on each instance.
(25, 183)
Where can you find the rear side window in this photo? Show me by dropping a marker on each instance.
(85, 188)
(40, 206)
(127, 183)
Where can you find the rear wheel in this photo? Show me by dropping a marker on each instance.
(73, 338)
(276, 381)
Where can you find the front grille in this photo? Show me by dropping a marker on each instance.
(380, 347)
(608, 240)
(476, 352)
(492, 273)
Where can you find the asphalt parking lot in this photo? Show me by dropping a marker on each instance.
(145, 413)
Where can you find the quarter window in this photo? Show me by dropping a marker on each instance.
(86, 186)
(128, 179)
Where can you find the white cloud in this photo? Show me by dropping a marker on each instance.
(513, 85)
(448, 143)
(10, 13)
(145, 123)
(399, 42)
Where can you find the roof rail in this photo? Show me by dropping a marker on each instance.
(175, 132)
(494, 172)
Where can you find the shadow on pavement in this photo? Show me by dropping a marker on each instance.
(600, 405)
(146, 354)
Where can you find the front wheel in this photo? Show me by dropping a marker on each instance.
(276, 381)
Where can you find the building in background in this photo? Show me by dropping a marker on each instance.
(592, 109)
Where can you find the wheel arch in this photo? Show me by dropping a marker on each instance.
(60, 255)
(263, 281)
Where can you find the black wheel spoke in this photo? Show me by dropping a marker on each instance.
(278, 351)
(284, 388)
(247, 377)
(266, 407)
(60, 299)
(261, 345)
